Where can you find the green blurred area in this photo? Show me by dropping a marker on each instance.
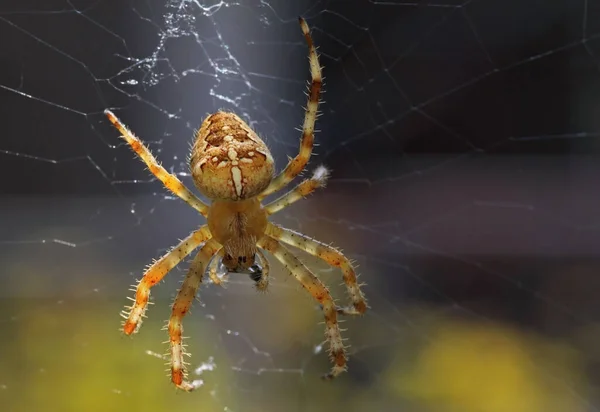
(67, 353)
(70, 356)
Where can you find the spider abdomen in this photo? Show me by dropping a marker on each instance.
(229, 161)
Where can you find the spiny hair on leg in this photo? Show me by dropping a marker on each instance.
(262, 286)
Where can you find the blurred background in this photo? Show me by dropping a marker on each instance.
(463, 139)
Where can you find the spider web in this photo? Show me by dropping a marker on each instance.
(462, 136)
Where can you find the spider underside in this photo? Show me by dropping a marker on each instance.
(233, 167)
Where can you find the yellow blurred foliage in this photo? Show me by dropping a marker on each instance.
(72, 357)
(471, 367)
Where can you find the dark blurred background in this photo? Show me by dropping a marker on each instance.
(463, 139)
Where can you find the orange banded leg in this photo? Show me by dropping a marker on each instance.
(320, 292)
(170, 181)
(181, 306)
(318, 180)
(295, 166)
(133, 314)
(330, 255)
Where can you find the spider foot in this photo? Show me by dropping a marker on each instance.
(187, 386)
(130, 327)
(337, 355)
(347, 310)
(262, 285)
(335, 371)
(178, 378)
(216, 279)
(354, 310)
(134, 315)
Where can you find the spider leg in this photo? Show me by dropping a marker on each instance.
(262, 283)
(156, 273)
(181, 306)
(212, 269)
(320, 292)
(330, 255)
(318, 180)
(170, 181)
(295, 166)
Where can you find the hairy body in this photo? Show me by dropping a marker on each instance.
(237, 225)
(233, 167)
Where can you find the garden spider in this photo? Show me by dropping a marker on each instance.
(233, 167)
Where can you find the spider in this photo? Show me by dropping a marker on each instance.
(233, 167)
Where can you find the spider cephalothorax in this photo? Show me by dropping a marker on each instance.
(233, 167)
(237, 225)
